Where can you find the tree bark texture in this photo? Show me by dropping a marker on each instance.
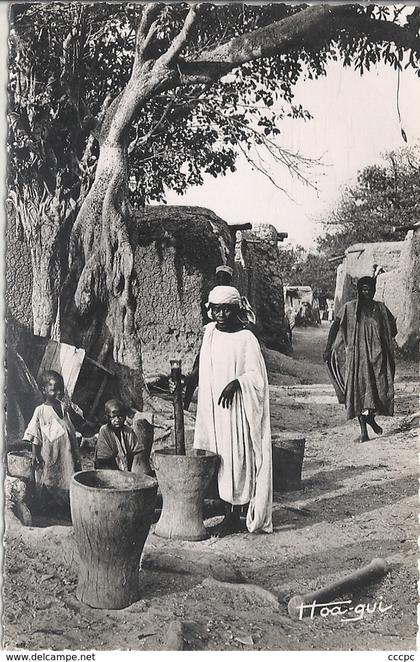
(43, 218)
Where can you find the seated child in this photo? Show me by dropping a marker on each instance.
(118, 447)
(55, 452)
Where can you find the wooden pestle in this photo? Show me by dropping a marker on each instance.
(178, 408)
(375, 569)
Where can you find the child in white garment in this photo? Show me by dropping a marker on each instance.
(51, 431)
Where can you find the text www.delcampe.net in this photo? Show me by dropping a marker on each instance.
(51, 657)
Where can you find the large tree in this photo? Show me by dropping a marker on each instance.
(175, 90)
(385, 196)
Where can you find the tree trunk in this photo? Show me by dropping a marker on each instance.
(99, 302)
(46, 270)
(101, 252)
(43, 217)
(102, 245)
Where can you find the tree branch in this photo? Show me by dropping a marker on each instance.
(294, 162)
(181, 39)
(308, 28)
(152, 31)
(146, 29)
(144, 141)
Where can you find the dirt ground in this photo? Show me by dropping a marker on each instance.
(358, 502)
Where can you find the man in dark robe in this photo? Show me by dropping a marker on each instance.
(365, 328)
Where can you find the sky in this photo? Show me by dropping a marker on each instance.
(355, 120)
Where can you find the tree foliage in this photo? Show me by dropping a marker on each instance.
(384, 196)
(67, 59)
(300, 267)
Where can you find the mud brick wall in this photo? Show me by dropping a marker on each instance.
(176, 256)
(358, 262)
(399, 289)
(258, 275)
(179, 249)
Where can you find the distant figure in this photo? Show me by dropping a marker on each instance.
(330, 310)
(315, 311)
(118, 446)
(224, 275)
(366, 328)
(304, 314)
(290, 316)
(233, 418)
(52, 433)
(322, 307)
(300, 314)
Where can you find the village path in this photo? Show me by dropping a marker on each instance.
(309, 345)
(358, 502)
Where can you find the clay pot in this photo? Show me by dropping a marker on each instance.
(288, 457)
(19, 465)
(111, 512)
(183, 481)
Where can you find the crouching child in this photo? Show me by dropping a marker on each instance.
(118, 446)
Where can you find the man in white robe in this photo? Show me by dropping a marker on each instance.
(233, 418)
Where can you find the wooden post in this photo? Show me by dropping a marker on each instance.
(98, 396)
(178, 408)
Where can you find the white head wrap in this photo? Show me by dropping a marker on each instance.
(225, 294)
(224, 267)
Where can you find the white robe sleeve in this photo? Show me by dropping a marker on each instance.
(255, 394)
(33, 432)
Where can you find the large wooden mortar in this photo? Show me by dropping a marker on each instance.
(183, 481)
(111, 512)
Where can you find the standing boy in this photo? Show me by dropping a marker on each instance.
(233, 418)
(55, 451)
